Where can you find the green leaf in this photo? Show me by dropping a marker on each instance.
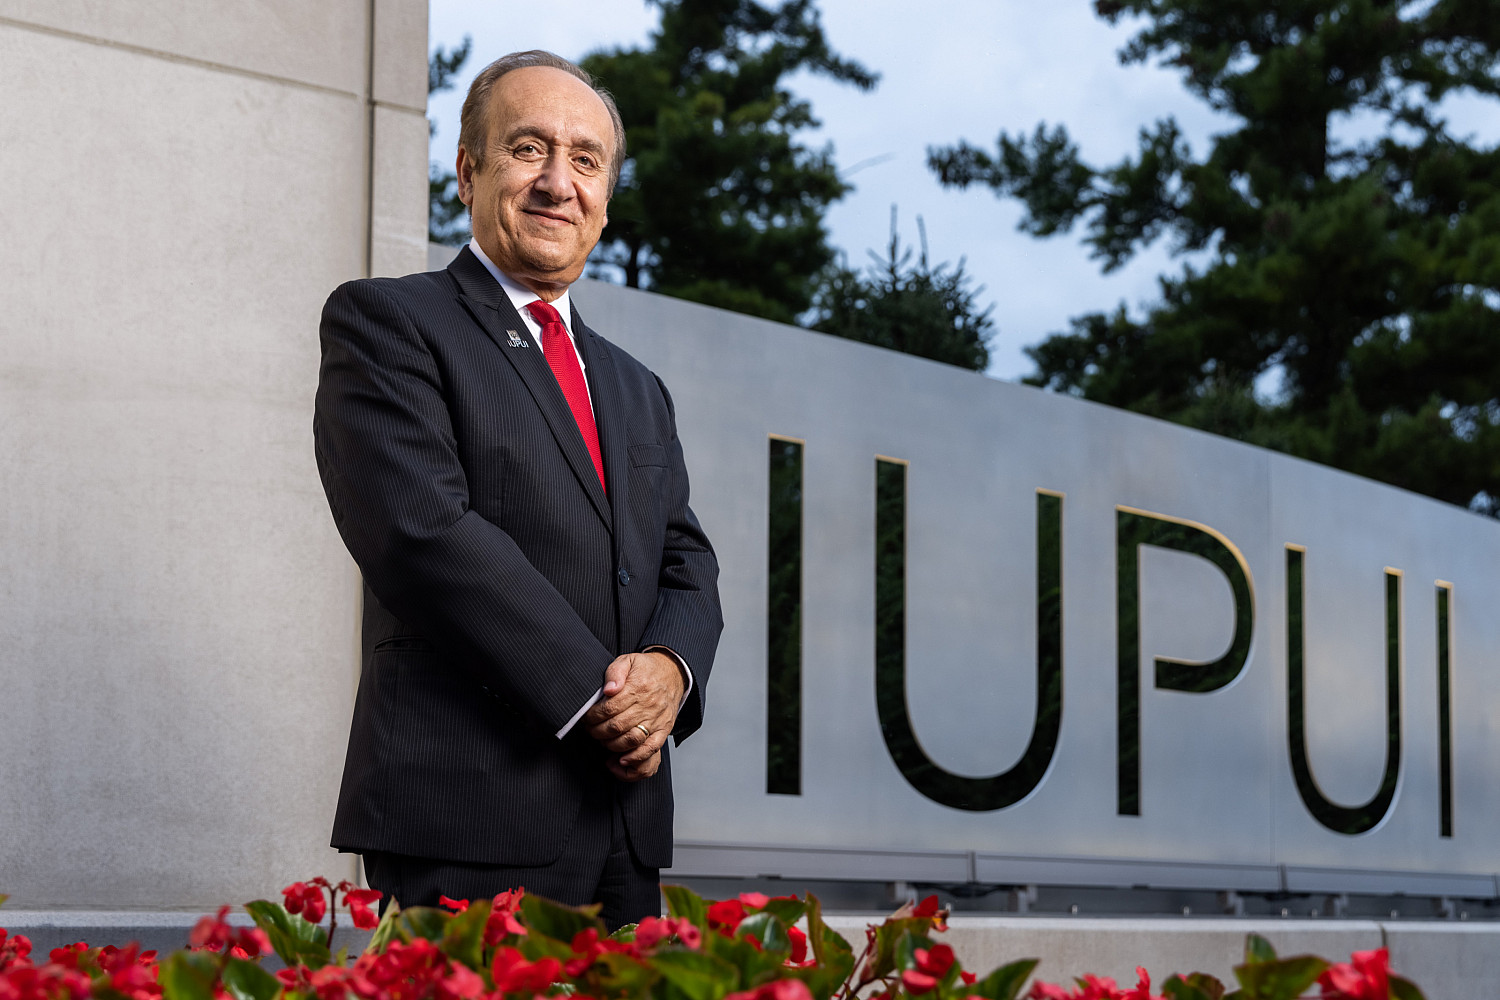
(189, 975)
(1404, 989)
(684, 902)
(1258, 949)
(539, 946)
(1193, 987)
(766, 929)
(882, 960)
(788, 909)
(248, 981)
(617, 975)
(1005, 982)
(3, 898)
(427, 922)
(1282, 979)
(698, 976)
(906, 947)
(294, 939)
(834, 956)
(554, 920)
(386, 930)
(463, 940)
(752, 963)
(1209, 985)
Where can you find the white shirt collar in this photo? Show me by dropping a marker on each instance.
(520, 296)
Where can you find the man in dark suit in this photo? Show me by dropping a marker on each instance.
(541, 607)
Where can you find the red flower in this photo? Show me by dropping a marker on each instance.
(932, 965)
(1366, 976)
(502, 920)
(307, 899)
(512, 973)
(799, 947)
(330, 983)
(588, 945)
(725, 915)
(781, 989)
(755, 900)
(967, 978)
(1099, 988)
(651, 931)
(359, 900)
(1142, 989)
(13, 949)
(66, 956)
(928, 909)
(211, 933)
(461, 983)
(255, 941)
(1047, 991)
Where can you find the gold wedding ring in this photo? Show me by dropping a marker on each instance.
(645, 733)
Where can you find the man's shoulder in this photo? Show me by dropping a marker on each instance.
(422, 285)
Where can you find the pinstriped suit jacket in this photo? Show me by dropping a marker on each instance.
(500, 579)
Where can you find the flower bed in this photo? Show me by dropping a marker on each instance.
(523, 947)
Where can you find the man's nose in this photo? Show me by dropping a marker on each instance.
(556, 178)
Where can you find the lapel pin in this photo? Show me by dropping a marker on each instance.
(515, 339)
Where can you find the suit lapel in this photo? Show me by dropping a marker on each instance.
(491, 308)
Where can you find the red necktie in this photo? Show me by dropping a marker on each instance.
(564, 361)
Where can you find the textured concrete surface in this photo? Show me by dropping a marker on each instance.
(177, 614)
(324, 44)
(398, 221)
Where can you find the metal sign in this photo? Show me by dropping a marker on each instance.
(978, 631)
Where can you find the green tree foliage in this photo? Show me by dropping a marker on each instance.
(1364, 272)
(447, 217)
(931, 312)
(721, 202)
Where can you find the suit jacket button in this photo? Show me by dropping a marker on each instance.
(624, 577)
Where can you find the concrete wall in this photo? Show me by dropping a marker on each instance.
(182, 188)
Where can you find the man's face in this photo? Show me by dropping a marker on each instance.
(538, 204)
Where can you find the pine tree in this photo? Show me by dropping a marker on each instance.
(922, 310)
(721, 201)
(447, 216)
(1362, 274)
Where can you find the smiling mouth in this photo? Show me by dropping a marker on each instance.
(551, 218)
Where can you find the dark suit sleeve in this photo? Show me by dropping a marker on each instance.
(390, 466)
(687, 618)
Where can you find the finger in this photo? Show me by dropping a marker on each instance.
(634, 772)
(626, 741)
(623, 773)
(615, 675)
(621, 728)
(647, 748)
(644, 769)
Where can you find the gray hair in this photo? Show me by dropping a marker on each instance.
(474, 122)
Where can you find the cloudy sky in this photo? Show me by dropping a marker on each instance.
(950, 70)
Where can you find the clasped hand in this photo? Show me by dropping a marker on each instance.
(635, 715)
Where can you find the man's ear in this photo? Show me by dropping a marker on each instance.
(464, 168)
